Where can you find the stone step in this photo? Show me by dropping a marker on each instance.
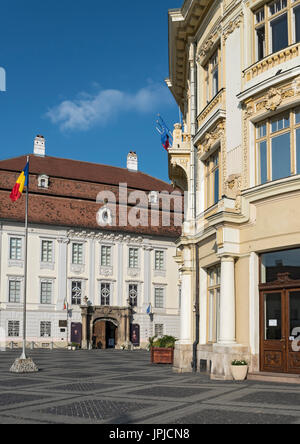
(282, 378)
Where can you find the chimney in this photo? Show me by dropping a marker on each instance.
(132, 161)
(39, 146)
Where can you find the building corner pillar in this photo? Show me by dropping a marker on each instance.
(227, 302)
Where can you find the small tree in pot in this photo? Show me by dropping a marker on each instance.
(162, 349)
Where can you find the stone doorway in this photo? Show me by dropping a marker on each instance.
(105, 326)
(105, 334)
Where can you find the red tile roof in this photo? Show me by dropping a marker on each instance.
(86, 171)
(70, 200)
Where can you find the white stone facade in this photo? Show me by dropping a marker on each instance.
(55, 271)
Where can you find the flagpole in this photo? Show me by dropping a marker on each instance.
(25, 267)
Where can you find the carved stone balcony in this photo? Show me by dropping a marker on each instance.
(286, 54)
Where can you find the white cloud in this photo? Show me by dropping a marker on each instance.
(89, 110)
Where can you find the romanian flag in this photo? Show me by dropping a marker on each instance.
(20, 184)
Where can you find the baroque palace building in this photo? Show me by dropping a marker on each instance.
(91, 279)
(235, 74)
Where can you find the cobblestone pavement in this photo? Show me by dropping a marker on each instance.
(121, 387)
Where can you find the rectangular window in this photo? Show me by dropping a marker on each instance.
(105, 294)
(133, 295)
(159, 298)
(279, 20)
(261, 42)
(15, 250)
(77, 254)
(47, 250)
(212, 77)
(278, 151)
(263, 173)
(13, 329)
(159, 260)
(45, 329)
(281, 156)
(213, 179)
(46, 292)
(76, 292)
(214, 282)
(159, 330)
(297, 24)
(133, 257)
(105, 256)
(14, 292)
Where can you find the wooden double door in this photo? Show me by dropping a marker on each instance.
(280, 330)
(104, 335)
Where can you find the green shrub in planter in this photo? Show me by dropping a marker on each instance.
(164, 342)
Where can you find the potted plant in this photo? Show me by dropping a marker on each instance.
(162, 349)
(74, 346)
(239, 370)
(69, 346)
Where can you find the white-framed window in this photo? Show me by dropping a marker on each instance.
(133, 295)
(15, 248)
(159, 330)
(47, 251)
(133, 257)
(276, 26)
(45, 329)
(159, 297)
(14, 291)
(106, 256)
(76, 292)
(105, 293)
(278, 147)
(46, 292)
(213, 294)
(212, 76)
(77, 253)
(159, 260)
(13, 329)
(43, 181)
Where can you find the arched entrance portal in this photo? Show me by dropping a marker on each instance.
(105, 333)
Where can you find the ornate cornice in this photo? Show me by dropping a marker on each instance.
(233, 25)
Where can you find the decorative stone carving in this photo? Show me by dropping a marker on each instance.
(212, 137)
(296, 85)
(274, 99)
(233, 186)
(233, 25)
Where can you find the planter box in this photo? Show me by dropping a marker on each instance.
(239, 372)
(162, 355)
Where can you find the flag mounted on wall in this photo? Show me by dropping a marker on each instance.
(165, 133)
(21, 183)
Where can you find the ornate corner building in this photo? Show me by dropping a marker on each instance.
(235, 74)
(92, 273)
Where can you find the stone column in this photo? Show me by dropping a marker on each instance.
(84, 342)
(227, 302)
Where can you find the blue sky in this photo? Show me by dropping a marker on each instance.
(89, 76)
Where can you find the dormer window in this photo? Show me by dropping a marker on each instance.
(43, 181)
(153, 197)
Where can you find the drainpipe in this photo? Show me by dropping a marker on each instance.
(193, 86)
(197, 312)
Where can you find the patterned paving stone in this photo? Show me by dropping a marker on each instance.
(280, 398)
(169, 392)
(15, 398)
(81, 387)
(95, 409)
(214, 416)
(20, 382)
